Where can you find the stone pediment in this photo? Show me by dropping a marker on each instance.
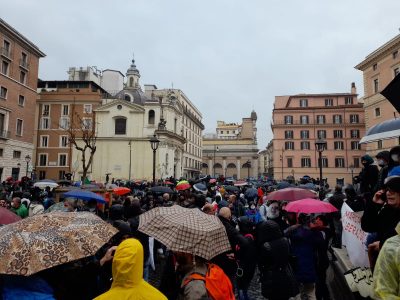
(132, 107)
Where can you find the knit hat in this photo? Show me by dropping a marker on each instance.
(368, 159)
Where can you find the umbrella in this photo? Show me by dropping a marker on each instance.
(392, 92)
(121, 191)
(56, 207)
(7, 216)
(42, 184)
(307, 186)
(182, 181)
(111, 186)
(161, 189)
(200, 187)
(183, 186)
(186, 230)
(84, 195)
(64, 182)
(283, 185)
(48, 240)
(310, 206)
(168, 182)
(385, 130)
(291, 194)
(251, 193)
(231, 188)
(240, 183)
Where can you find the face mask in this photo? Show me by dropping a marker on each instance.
(395, 157)
(252, 207)
(381, 162)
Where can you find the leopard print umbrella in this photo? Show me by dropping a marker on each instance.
(48, 240)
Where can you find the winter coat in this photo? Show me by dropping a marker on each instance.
(246, 258)
(368, 178)
(277, 278)
(381, 219)
(127, 269)
(383, 173)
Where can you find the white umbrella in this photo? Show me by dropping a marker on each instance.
(42, 184)
(382, 131)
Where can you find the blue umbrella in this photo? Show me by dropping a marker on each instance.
(251, 193)
(84, 195)
(200, 187)
(283, 185)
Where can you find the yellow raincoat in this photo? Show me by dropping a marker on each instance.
(127, 271)
(387, 269)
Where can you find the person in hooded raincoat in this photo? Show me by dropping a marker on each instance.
(127, 271)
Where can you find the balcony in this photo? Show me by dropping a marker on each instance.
(5, 52)
(5, 135)
(24, 64)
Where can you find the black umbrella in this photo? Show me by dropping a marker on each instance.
(392, 92)
(251, 193)
(231, 188)
(385, 130)
(161, 189)
(200, 187)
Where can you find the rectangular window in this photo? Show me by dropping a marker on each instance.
(354, 119)
(3, 93)
(355, 133)
(339, 162)
(24, 60)
(338, 134)
(19, 128)
(356, 162)
(377, 112)
(44, 141)
(6, 48)
(87, 123)
(337, 119)
(305, 145)
(45, 123)
(329, 102)
(306, 162)
(374, 67)
(303, 102)
(61, 174)
(21, 100)
(289, 145)
(120, 126)
(1, 152)
(288, 119)
(380, 144)
(355, 145)
(324, 162)
(348, 100)
(42, 160)
(305, 134)
(16, 154)
(320, 119)
(376, 85)
(289, 161)
(321, 134)
(87, 108)
(5, 66)
(63, 141)
(62, 160)
(303, 120)
(65, 109)
(22, 77)
(338, 145)
(42, 175)
(45, 109)
(395, 54)
(64, 122)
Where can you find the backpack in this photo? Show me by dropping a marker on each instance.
(218, 285)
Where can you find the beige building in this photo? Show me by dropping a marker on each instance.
(379, 68)
(59, 106)
(299, 120)
(266, 161)
(19, 66)
(232, 151)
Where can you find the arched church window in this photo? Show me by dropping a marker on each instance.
(151, 116)
(127, 98)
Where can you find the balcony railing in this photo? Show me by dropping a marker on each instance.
(5, 52)
(4, 134)
(24, 64)
(279, 123)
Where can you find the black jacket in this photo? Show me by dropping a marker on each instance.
(368, 178)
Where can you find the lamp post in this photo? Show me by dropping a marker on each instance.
(248, 163)
(320, 146)
(130, 158)
(154, 141)
(216, 149)
(351, 167)
(27, 159)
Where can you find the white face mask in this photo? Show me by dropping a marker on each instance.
(252, 207)
(395, 157)
(381, 162)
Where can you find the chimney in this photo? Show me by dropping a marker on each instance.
(353, 88)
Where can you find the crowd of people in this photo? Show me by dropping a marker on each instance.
(288, 254)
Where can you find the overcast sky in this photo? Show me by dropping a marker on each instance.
(229, 57)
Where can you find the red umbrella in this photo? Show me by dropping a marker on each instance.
(7, 216)
(310, 206)
(183, 186)
(121, 191)
(240, 183)
(291, 194)
(168, 182)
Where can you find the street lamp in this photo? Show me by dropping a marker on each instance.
(248, 164)
(130, 158)
(216, 149)
(320, 146)
(154, 141)
(27, 159)
(351, 167)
